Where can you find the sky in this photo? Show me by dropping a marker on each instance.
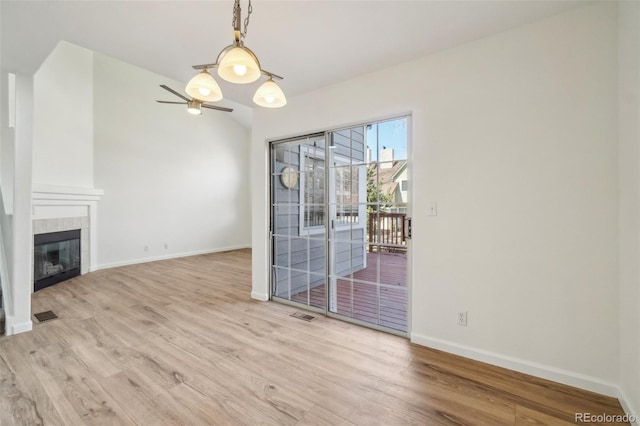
(389, 134)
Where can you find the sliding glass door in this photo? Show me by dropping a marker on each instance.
(339, 223)
(298, 221)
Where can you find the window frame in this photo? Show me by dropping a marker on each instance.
(305, 152)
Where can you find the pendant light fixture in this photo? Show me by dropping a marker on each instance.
(237, 64)
(269, 95)
(204, 87)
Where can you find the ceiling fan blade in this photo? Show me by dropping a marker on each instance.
(217, 107)
(165, 87)
(171, 102)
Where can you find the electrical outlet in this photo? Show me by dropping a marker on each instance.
(462, 318)
(146, 248)
(166, 246)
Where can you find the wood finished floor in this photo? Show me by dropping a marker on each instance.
(181, 342)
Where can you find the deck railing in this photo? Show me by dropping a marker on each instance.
(387, 231)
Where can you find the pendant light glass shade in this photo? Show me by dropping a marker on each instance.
(269, 95)
(193, 107)
(239, 66)
(204, 87)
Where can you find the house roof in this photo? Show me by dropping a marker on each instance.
(386, 177)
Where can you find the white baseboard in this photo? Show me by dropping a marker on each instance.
(12, 328)
(566, 377)
(167, 257)
(633, 412)
(263, 297)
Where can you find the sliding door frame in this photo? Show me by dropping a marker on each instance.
(327, 250)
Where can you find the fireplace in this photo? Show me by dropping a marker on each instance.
(56, 258)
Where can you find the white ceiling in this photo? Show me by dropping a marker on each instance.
(310, 43)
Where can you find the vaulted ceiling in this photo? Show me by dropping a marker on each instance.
(311, 44)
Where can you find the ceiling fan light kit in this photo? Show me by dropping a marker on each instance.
(237, 64)
(193, 107)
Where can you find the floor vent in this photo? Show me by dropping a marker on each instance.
(45, 316)
(302, 316)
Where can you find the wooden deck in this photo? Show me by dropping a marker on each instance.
(360, 297)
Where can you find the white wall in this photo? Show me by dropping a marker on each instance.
(21, 281)
(7, 160)
(63, 118)
(629, 155)
(168, 176)
(16, 100)
(514, 137)
(7, 135)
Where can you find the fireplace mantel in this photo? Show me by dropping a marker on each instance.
(51, 202)
(54, 192)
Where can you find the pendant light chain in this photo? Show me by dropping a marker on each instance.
(246, 20)
(236, 8)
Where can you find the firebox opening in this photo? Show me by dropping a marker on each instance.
(56, 258)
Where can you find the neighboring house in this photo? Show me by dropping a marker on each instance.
(401, 178)
(392, 180)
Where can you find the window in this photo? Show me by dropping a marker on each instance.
(345, 198)
(313, 190)
(347, 194)
(404, 185)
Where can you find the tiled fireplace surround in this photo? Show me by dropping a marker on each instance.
(57, 208)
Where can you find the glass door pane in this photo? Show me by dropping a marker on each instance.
(368, 195)
(299, 220)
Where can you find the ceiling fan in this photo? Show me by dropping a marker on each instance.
(194, 106)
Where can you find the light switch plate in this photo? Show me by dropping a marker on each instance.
(432, 209)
